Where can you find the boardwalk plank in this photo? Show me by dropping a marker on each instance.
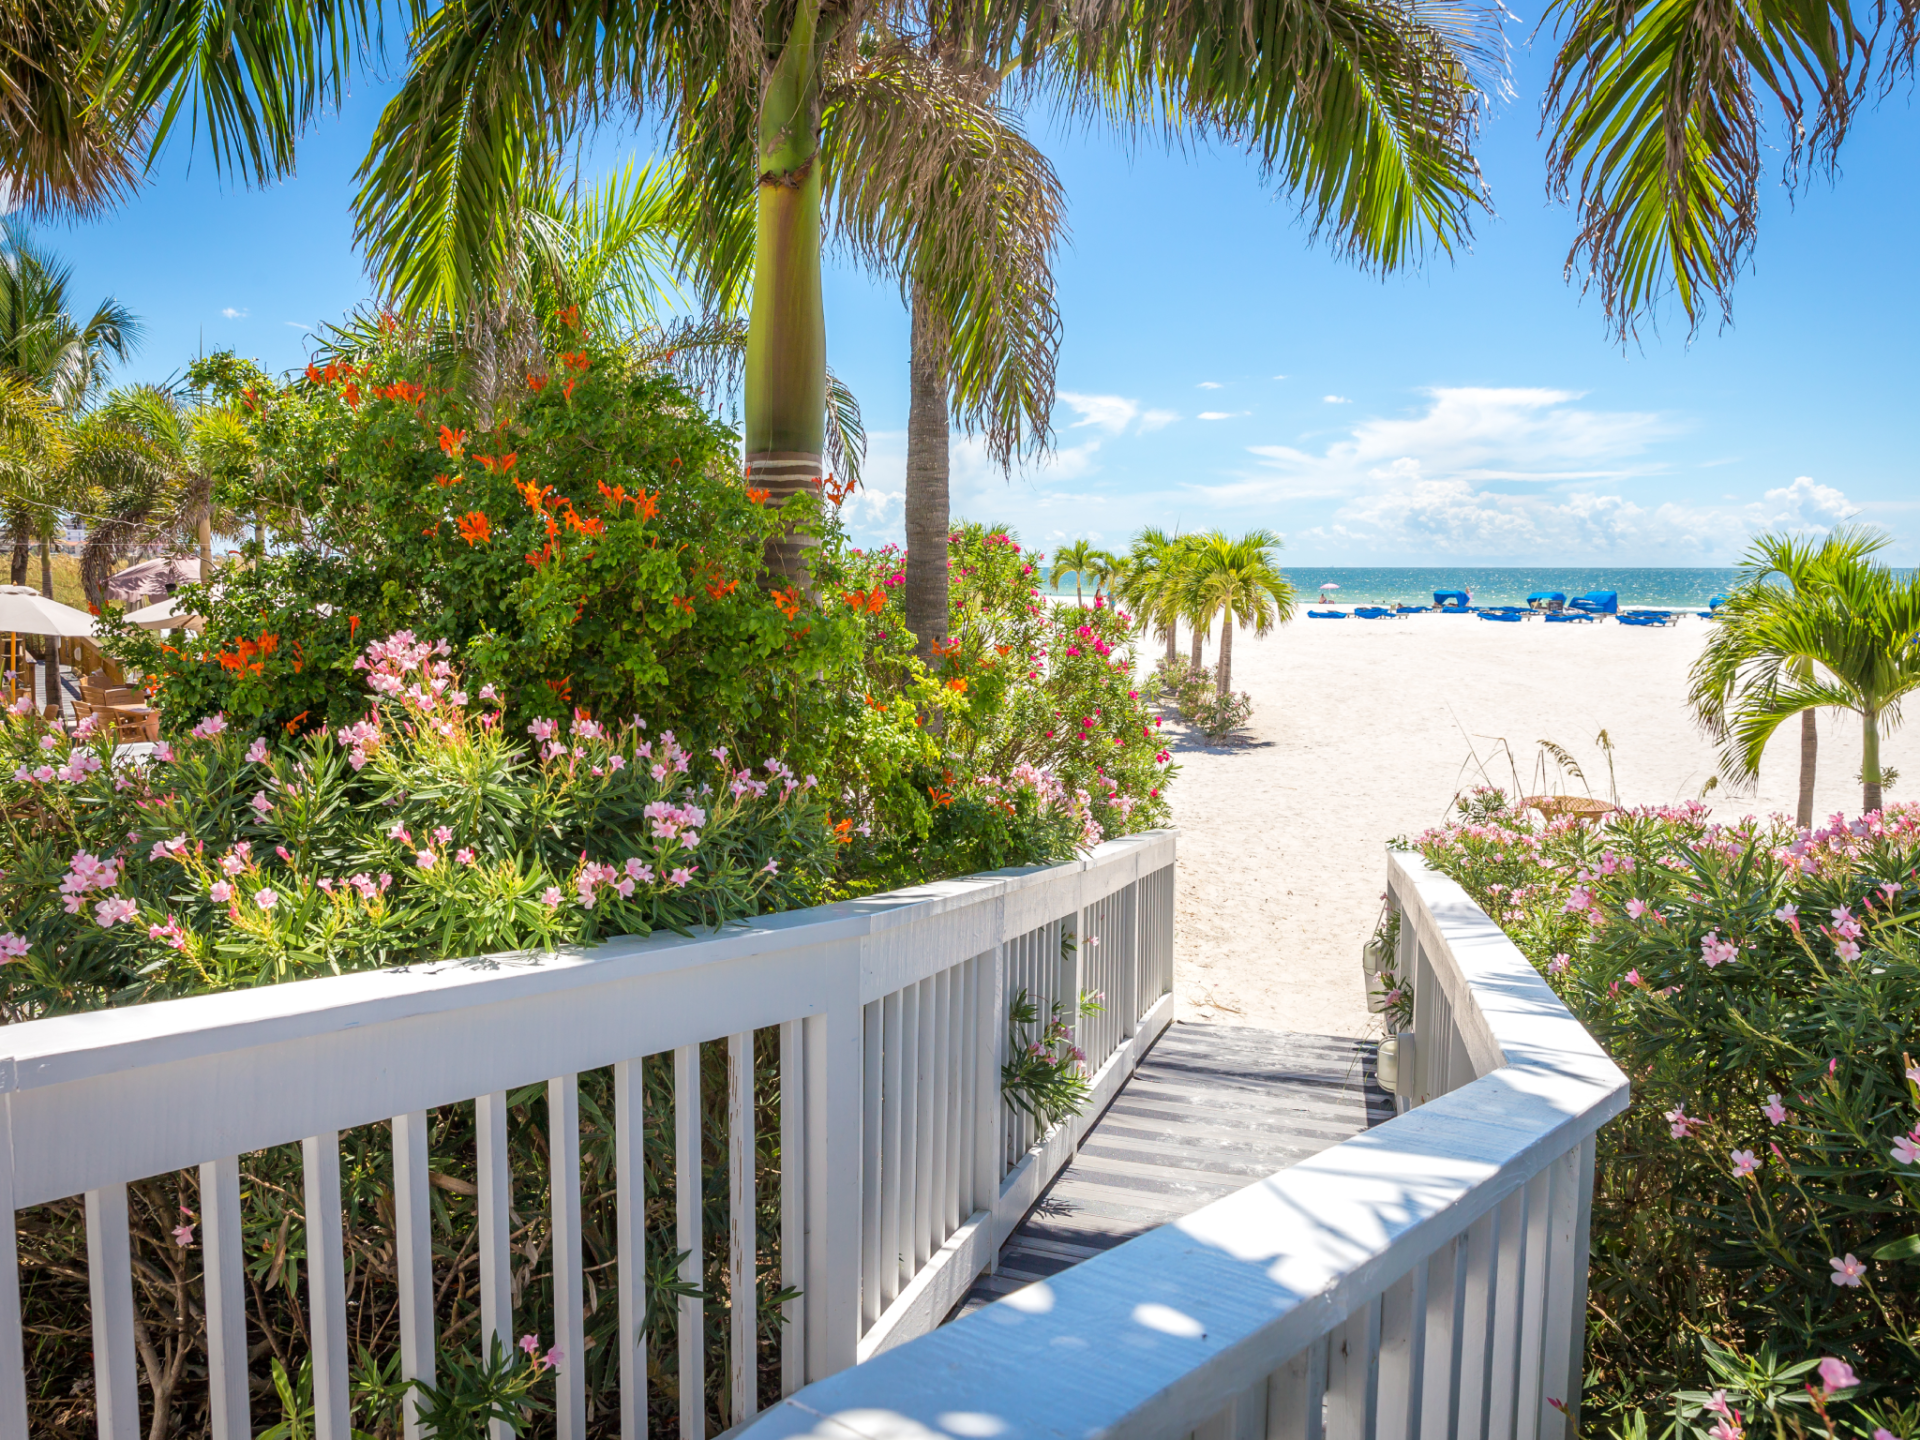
(1210, 1109)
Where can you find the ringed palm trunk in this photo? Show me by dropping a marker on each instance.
(204, 525)
(1199, 636)
(1224, 681)
(46, 567)
(928, 507)
(786, 371)
(22, 551)
(1869, 760)
(1809, 753)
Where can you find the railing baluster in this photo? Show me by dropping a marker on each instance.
(1403, 1343)
(989, 1114)
(1353, 1375)
(687, 1240)
(923, 1136)
(569, 1289)
(1296, 1395)
(959, 1013)
(743, 1288)
(1566, 1291)
(1479, 1299)
(494, 1177)
(1510, 1295)
(13, 1356)
(327, 1287)
(116, 1383)
(1446, 1302)
(630, 1242)
(873, 1064)
(220, 1253)
(905, 1261)
(1526, 1423)
(793, 1203)
(895, 1168)
(940, 1094)
(413, 1258)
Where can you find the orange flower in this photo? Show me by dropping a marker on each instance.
(536, 383)
(288, 727)
(584, 527)
(475, 528)
(758, 497)
(433, 529)
(500, 463)
(445, 480)
(843, 832)
(534, 495)
(453, 441)
(646, 504)
(249, 399)
(567, 390)
(959, 687)
(789, 600)
(562, 688)
(940, 797)
(569, 317)
(683, 602)
(402, 390)
(351, 395)
(316, 374)
(717, 591)
(838, 490)
(577, 360)
(353, 624)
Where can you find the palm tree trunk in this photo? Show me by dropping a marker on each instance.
(1869, 760)
(22, 550)
(1199, 636)
(1224, 683)
(1809, 752)
(204, 524)
(786, 371)
(926, 599)
(1173, 647)
(46, 567)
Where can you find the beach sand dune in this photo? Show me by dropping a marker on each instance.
(1363, 730)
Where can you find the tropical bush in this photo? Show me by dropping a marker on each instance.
(1760, 986)
(1192, 692)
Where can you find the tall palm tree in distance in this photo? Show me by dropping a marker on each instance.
(1735, 658)
(1075, 560)
(1236, 582)
(1842, 636)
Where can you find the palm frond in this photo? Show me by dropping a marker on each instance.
(69, 136)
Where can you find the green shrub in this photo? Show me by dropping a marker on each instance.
(1760, 987)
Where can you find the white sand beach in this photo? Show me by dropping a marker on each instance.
(1366, 729)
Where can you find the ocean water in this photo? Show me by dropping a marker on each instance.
(1673, 588)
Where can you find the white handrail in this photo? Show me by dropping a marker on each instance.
(1424, 1278)
(892, 1015)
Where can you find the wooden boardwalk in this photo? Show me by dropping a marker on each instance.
(1211, 1109)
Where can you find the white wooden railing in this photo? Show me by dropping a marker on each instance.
(1424, 1278)
(898, 1180)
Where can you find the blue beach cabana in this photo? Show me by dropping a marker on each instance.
(1547, 600)
(1597, 602)
(1451, 600)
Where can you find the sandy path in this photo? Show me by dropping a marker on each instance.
(1362, 730)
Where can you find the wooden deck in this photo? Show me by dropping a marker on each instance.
(1211, 1109)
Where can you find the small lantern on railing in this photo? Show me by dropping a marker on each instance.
(1395, 1060)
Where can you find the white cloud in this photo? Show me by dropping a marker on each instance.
(296, 324)
(1335, 400)
(1223, 414)
(1111, 413)
(1279, 377)
(1157, 420)
(232, 314)
(1208, 385)
(1033, 495)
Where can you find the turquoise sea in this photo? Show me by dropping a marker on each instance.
(1361, 585)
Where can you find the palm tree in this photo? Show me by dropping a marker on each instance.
(1237, 583)
(1149, 583)
(1842, 636)
(1105, 570)
(1657, 109)
(1075, 560)
(1731, 659)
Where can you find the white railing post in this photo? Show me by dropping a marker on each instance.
(743, 1287)
(495, 1183)
(225, 1276)
(569, 1288)
(833, 1187)
(1128, 1000)
(793, 1205)
(327, 1287)
(413, 1258)
(13, 1366)
(688, 1241)
(630, 1242)
(116, 1385)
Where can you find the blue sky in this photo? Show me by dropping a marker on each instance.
(1219, 370)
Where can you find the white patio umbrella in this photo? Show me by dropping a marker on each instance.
(167, 615)
(25, 611)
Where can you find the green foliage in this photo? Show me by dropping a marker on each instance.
(1760, 987)
(1045, 1074)
(1191, 689)
(586, 543)
(468, 1392)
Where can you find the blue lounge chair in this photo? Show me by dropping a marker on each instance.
(1410, 609)
(1373, 612)
(1570, 617)
(1597, 602)
(1326, 614)
(1511, 617)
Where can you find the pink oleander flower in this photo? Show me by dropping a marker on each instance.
(183, 1235)
(680, 877)
(772, 867)
(442, 836)
(1788, 915)
(257, 752)
(109, 913)
(554, 1357)
(12, 947)
(1775, 1112)
(1633, 977)
(551, 897)
(464, 855)
(262, 806)
(266, 899)
(208, 728)
(487, 692)
(1636, 908)
(1837, 1374)
(639, 872)
(1727, 1428)
(1559, 963)
(220, 891)
(426, 859)
(1744, 1164)
(530, 1344)
(1717, 1404)
(1846, 950)
(542, 729)
(1716, 951)
(1847, 1271)
(1679, 1123)
(1906, 1149)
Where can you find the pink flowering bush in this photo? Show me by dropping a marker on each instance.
(421, 829)
(1760, 986)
